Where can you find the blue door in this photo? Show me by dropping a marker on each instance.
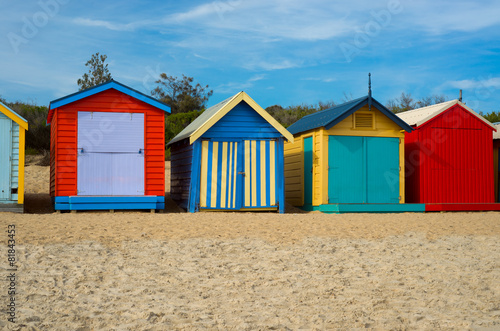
(308, 170)
(346, 171)
(5, 151)
(363, 170)
(382, 170)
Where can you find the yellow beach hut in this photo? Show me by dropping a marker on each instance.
(349, 158)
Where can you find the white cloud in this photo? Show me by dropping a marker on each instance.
(492, 82)
(324, 80)
(104, 24)
(234, 87)
(440, 17)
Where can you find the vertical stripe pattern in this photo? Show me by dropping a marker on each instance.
(260, 173)
(218, 175)
(220, 183)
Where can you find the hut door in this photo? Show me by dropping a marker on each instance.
(260, 174)
(363, 169)
(110, 153)
(346, 172)
(238, 174)
(5, 161)
(308, 170)
(219, 180)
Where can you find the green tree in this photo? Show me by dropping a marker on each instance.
(38, 135)
(98, 72)
(180, 94)
(493, 117)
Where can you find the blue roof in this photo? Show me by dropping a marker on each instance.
(112, 84)
(330, 117)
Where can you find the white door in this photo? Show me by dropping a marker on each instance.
(110, 153)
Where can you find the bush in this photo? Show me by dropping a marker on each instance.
(175, 123)
(38, 134)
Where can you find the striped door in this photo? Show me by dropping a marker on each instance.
(238, 174)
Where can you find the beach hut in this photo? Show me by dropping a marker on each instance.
(349, 158)
(496, 159)
(448, 158)
(230, 158)
(12, 142)
(107, 149)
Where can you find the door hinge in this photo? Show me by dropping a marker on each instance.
(400, 198)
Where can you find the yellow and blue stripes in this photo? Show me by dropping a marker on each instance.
(238, 174)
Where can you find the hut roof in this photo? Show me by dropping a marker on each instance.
(13, 116)
(330, 117)
(112, 84)
(496, 135)
(417, 117)
(213, 114)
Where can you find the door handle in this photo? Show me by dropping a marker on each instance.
(241, 173)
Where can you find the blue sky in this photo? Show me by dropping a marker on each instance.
(279, 52)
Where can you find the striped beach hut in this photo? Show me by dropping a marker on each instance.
(449, 155)
(12, 143)
(230, 158)
(496, 159)
(107, 149)
(349, 158)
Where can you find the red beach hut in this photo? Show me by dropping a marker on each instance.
(448, 158)
(107, 149)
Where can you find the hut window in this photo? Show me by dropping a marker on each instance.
(364, 121)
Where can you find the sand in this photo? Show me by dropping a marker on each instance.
(142, 271)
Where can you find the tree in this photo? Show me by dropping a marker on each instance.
(288, 116)
(493, 117)
(180, 94)
(406, 102)
(98, 72)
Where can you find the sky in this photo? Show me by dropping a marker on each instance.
(279, 52)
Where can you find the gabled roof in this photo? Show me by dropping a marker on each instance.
(13, 116)
(417, 117)
(112, 84)
(213, 114)
(330, 117)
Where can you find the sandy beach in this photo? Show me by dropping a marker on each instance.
(247, 271)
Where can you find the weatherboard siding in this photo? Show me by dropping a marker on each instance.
(294, 172)
(180, 173)
(242, 122)
(384, 126)
(14, 177)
